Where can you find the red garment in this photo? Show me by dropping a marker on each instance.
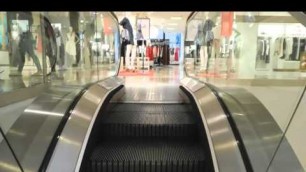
(107, 28)
(149, 53)
(176, 54)
(227, 23)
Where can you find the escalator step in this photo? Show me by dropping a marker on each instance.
(148, 130)
(148, 150)
(155, 108)
(147, 155)
(149, 118)
(146, 166)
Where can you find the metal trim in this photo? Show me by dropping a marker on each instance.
(241, 146)
(214, 159)
(58, 132)
(73, 140)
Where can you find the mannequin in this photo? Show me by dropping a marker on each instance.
(86, 53)
(50, 44)
(130, 52)
(215, 53)
(70, 47)
(60, 49)
(202, 46)
(205, 51)
(26, 46)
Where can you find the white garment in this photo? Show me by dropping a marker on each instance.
(125, 34)
(86, 55)
(262, 46)
(278, 47)
(70, 44)
(130, 55)
(203, 57)
(267, 52)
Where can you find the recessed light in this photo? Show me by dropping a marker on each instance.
(176, 18)
(170, 28)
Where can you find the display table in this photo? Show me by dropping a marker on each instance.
(143, 65)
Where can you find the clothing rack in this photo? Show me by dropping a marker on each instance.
(162, 50)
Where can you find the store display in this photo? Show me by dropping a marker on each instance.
(160, 51)
(289, 48)
(263, 50)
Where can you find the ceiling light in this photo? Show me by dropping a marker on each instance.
(176, 18)
(170, 28)
(172, 24)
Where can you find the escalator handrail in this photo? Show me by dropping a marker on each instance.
(62, 124)
(240, 143)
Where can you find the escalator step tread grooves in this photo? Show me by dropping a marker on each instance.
(141, 130)
(148, 138)
(147, 166)
(130, 117)
(148, 150)
(155, 108)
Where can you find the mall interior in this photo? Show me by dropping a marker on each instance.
(148, 91)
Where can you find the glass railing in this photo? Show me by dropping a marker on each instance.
(62, 53)
(255, 62)
(70, 48)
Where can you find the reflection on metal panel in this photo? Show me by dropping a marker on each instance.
(259, 131)
(73, 140)
(224, 147)
(193, 84)
(32, 133)
(110, 83)
(7, 161)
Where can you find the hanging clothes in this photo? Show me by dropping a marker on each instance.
(295, 46)
(263, 52)
(289, 47)
(279, 45)
(149, 53)
(302, 47)
(154, 51)
(267, 51)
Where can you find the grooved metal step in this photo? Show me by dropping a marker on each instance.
(147, 155)
(147, 138)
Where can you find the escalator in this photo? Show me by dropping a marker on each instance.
(147, 137)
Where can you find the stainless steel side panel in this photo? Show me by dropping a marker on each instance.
(32, 132)
(70, 148)
(225, 152)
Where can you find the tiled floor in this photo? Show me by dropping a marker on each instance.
(72, 76)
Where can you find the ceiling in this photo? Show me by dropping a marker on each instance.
(168, 21)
